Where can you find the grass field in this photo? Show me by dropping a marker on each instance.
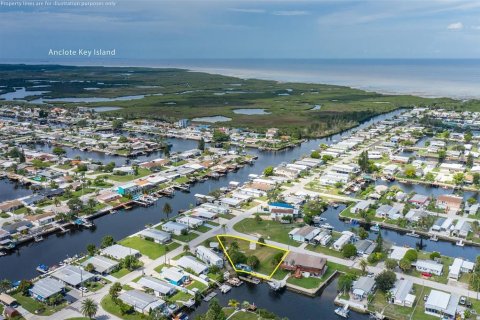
(110, 306)
(32, 305)
(149, 248)
(187, 94)
(270, 230)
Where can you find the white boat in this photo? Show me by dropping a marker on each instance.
(434, 238)
(276, 285)
(38, 238)
(225, 288)
(375, 228)
(460, 243)
(413, 234)
(342, 311)
(326, 226)
(2, 253)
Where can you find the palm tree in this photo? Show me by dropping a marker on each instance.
(233, 303)
(363, 265)
(167, 209)
(186, 248)
(5, 285)
(56, 201)
(89, 308)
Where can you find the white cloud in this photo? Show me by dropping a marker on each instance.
(247, 10)
(455, 26)
(290, 13)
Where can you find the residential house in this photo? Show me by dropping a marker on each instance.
(450, 203)
(345, 238)
(119, 252)
(362, 287)
(142, 302)
(460, 266)
(45, 288)
(304, 234)
(174, 227)
(174, 275)
(441, 304)
(155, 235)
(401, 293)
(305, 263)
(429, 266)
(160, 288)
(208, 256)
(189, 262)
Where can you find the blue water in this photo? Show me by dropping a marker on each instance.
(456, 78)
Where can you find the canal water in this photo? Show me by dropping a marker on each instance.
(286, 303)
(10, 190)
(22, 263)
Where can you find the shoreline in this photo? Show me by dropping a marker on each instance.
(302, 76)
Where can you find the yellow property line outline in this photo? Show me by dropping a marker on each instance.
(258, 275)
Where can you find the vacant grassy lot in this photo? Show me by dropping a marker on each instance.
(149, 248)
(264, 253)
(270, 230)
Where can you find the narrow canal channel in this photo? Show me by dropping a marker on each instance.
(286, 303)
(22, 263)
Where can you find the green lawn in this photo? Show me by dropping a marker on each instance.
(203, 229)
(142, 172)
(110, 306)
(270, 230)
(196, 284)
(149, 248)
(32, 305)
(180, 296)
(307, 283)
(186, 238)
(120, 273)
(325, 250)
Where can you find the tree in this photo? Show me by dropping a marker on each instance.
(363, 266)
(91, 249)
(233, 303)
(261, 240)
(5, 285)
(117, 124)
(24, 286)
(362, 233)
(442, 154)
(215, 311)
(411, 255)
(167, 209)
(107, 241)
(89, 267)
(430, 177)
(130, 262)
(315, 154)
(114, 290)
(363, 161)
(268, 171)
(385, 280)
(58, 151)
(201, 144)
(469, 160)
(391, 264)
(258, 219)
(435, 255)
(468, 136)
(253, 262)
(219, 136)
(349, 250)
(476, 178)
(459, 178)
(345, 282)
(410, 171)
(326, 158)
(405, 264)
(89, 308)
(379, 247)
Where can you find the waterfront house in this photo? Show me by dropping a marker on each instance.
(119, 252)
(190, 222)
(429, 266)
(332, 178)
(174, 275)
(72, 275)
(362, 287)
(128, 188)
(323, 238)
(21, 226)
(461, 228)
(304, 234)
(390, 170)
(142, 302)
(155, 235)
(208, 256)
(41, 219)
(365, 247)
(419, 200)
(160, 288)
(360, 206)
(8, 206)
(102, 265)
(174, 227)
(279, 210)
(296, 261)
(397, 253)
(450, 203)
(189, 262)
(46, 288)
(441, 304)
(414, 215)
(401, 293)
(460, 266)
(345, 238)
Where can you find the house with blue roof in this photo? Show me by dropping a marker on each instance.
(279, 210)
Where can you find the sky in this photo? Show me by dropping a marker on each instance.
(180, 29)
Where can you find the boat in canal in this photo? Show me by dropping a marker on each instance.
(375, 228)
(460, 243)
(342, 311)
(38, 238)
(42, 268)
(413, 234)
